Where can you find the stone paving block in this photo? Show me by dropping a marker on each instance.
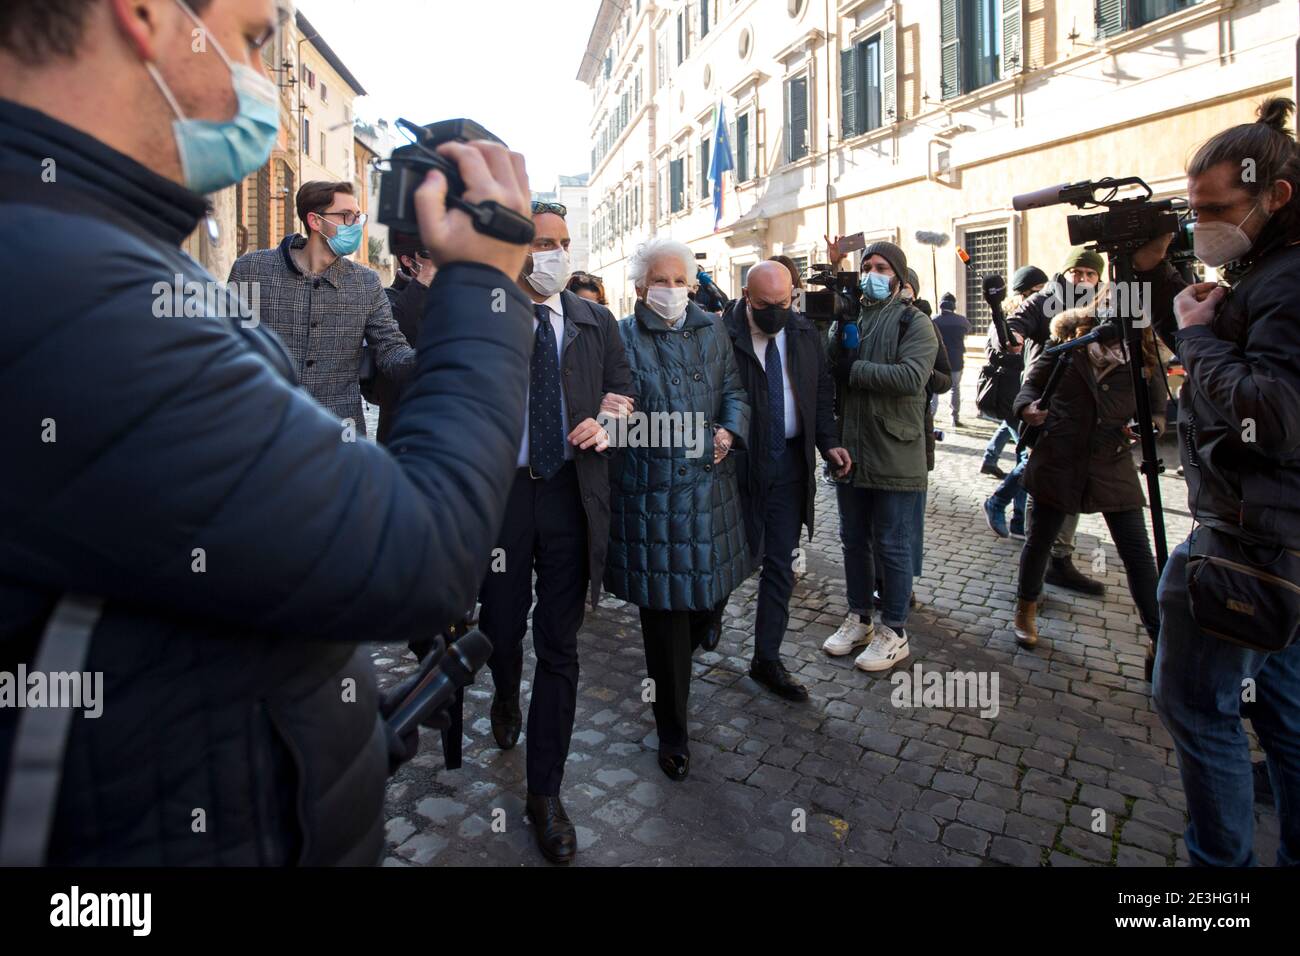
(875, 784)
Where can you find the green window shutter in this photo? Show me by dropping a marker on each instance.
(796, 118)
(1112, 16)
(850, 123)
(950, 48)
(1012, 43)
(888, 75)
(704, 168)
(742, 149)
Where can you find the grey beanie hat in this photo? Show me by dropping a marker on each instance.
(891, 254)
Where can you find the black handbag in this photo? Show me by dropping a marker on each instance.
(1244, 593)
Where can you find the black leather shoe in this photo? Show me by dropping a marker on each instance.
(556, 837)
(1062, 573)
(507, 721)
(713, 635)
(993, 471)
(676, 766)
(774, 676)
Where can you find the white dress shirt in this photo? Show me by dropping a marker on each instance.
(557, 326)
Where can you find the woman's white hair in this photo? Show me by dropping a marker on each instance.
(646, 253)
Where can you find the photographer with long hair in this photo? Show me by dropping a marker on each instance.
(1239, 430)
(1082, 462)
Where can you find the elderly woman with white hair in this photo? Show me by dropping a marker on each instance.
(677, 538)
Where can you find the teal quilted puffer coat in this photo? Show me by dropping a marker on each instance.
(677, 538)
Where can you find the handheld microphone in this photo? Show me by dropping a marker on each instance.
(443, 676)
(849, 336)
(1106, 332)
(995, 289)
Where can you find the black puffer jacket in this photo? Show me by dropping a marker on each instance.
(1083, 460)
(1243, 382)
(243, 551)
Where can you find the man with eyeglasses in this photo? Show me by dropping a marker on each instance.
(325, 307)
(556, 523)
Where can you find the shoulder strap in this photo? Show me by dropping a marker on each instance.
(36, 764)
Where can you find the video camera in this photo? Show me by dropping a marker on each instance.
(839, 296)
(1126, 223)
(408, 166)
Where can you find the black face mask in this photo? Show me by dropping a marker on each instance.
(770, 320)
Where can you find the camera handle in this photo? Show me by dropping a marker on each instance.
(495, 220)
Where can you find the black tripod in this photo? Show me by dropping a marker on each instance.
(1122, 279)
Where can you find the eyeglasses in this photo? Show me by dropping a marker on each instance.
(557, 208)
(349, 218)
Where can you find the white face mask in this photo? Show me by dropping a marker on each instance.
(551, 271)
(1218, 243)
(668, 302)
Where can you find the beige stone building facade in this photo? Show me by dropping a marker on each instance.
(891, 117)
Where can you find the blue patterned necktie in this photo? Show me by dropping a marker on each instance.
(775, 400)
(545, 420)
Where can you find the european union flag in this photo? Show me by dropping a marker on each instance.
(721, 163)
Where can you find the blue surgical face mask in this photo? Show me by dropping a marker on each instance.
(217, 154)
(346, 239)
(875, 286)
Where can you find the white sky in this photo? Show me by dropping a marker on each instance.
(509, 64)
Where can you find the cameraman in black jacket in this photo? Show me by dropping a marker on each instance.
(1239, 430)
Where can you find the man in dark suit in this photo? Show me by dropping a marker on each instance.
(557, 521)
(783, 366)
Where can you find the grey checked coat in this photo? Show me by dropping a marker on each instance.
(324, 320)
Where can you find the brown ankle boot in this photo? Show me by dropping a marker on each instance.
(1025, 627)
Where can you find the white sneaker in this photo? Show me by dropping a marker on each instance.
(886, 649)
(852, 633)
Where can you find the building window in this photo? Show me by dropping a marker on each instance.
(681, 37)
(796, 118)
(970, 37)
(1116, 16)
(742, 148)
(988, 256)
(662, 70)
(324, 93)
(860, 86)
(704, 18)
(306, 135)
(323, 146)
(704, 167)
(677, 185)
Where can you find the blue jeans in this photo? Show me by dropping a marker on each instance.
(918, 533)
(1012, 491)
(874, 521)
(1198, 693)
(993, 450)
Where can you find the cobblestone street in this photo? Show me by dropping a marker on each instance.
(1074, 748)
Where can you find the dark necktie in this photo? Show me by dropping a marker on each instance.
(545, 420)
(775, 400)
